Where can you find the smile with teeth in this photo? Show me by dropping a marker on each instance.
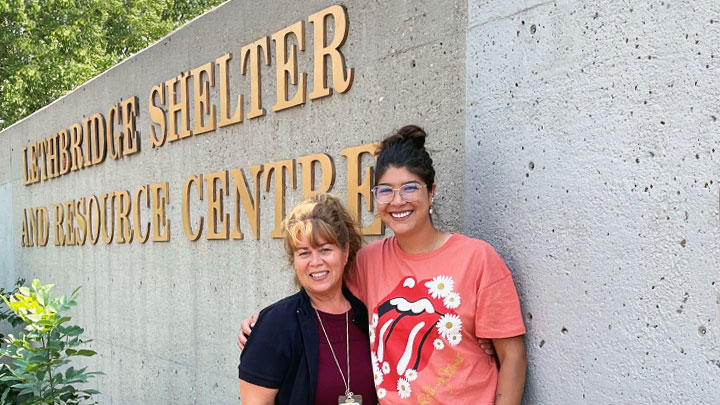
(400, 215)
(319, 274)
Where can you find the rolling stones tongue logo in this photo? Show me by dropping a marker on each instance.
(407, 326)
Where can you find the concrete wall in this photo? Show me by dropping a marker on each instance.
(592, 154)
(579, 138)
(164, 316)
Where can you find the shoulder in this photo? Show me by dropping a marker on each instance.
(280, 313)
(472, 245)
(375, 248)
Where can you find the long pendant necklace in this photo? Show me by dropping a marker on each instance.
(349, 397)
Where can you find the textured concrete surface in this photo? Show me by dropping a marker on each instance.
(592, 165)
(7, 260)
(579, 138)
(164, 316)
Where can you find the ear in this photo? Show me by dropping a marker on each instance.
(347, 251)
(432, 190)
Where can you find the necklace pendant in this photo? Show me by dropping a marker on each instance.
(349, 399)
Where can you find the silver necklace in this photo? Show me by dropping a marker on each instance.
(349, 397)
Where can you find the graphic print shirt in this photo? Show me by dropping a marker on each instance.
(426, 312)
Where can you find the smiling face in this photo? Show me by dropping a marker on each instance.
(319, 268)
(401, 216)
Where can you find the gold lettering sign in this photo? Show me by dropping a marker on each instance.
(126, 218)
(115, 216)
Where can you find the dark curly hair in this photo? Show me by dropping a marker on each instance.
(406, 148)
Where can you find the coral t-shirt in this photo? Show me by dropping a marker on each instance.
(426, 312)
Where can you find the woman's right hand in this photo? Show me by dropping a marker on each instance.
(245, 329)
(486, 345)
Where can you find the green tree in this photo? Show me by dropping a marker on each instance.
(49, 47)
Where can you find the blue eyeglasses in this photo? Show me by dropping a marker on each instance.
(408, 192)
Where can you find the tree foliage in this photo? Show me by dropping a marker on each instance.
(49, 47)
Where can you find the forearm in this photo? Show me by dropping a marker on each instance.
(513, 366)
(511, 381)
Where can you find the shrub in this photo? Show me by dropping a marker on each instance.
(39, 372)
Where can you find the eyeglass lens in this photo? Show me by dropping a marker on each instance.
(408, 192)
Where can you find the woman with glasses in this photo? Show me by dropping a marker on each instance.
(431, 294)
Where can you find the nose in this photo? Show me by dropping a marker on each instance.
(315, 259)
(397, 200)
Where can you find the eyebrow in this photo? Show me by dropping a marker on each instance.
(318, 246)
(407, 182)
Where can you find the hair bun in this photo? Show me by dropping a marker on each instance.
(409, 133)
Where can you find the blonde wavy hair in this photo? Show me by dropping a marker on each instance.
(322, 217)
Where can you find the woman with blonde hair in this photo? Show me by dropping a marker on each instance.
(312, 347)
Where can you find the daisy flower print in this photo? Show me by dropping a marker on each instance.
(440, 286)
(448, 325)
(403, 388)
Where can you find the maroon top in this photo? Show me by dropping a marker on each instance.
(330, 383)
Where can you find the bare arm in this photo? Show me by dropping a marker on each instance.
(513, 365)
(251, 394)
(245, 329)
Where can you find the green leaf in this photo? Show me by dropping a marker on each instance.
(86, 352)
(74, 330)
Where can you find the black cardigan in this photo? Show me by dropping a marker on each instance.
(282, 350)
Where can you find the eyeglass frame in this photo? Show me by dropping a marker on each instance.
(398, 190)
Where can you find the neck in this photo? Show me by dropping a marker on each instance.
(424, 241)
(331, 303)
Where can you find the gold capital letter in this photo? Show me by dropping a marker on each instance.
(93, 218)
(204, 78)
(129, 112)
(114, 139)
(288, 66)
(341, 81)
(253, 50)
(198, 181)
(157, 115)
(80, 218)
(94, 127)
(70, 237)
(327, 173)
(59, 217)
(52, 155)
(279, 168)
(136, 215)
(26, 238)
(104, 216)
(176, 106)
(357, 186)
(43, 223)
(159, 221)
(250, 203)
(124, 207)
(215, 205)
(26, 178)
(225, 118)
(66, 157)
